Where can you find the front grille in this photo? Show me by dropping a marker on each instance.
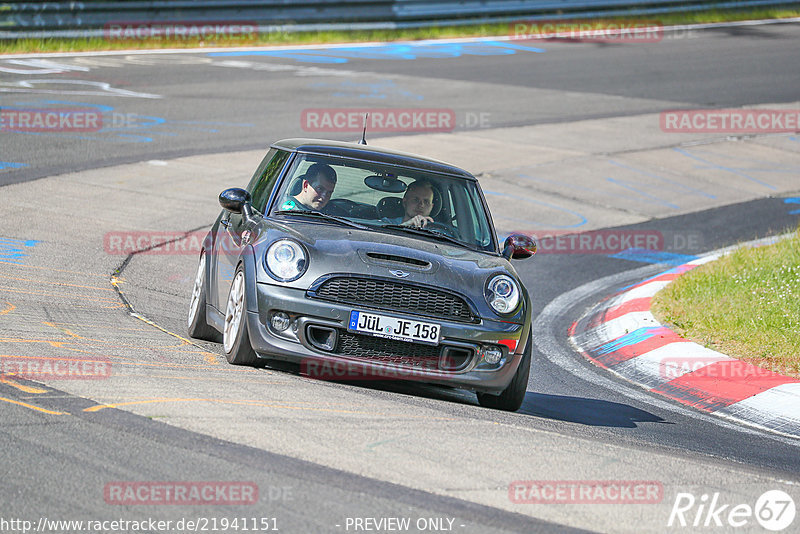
(388, 350)
(388, 295)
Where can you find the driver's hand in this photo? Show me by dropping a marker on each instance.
(418, 221)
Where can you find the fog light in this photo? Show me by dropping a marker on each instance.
(492, 355)
(280, 321)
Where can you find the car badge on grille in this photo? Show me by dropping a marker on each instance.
(398, 273)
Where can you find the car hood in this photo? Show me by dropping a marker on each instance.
(334, 248)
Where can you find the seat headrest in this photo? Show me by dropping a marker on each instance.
(392, 207)
(297, 185)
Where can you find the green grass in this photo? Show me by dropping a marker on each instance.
(304, 38)
(746, 305)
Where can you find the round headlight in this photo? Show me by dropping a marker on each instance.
(502, 294)
(286, 260)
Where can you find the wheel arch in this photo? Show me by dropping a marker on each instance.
(247, 260)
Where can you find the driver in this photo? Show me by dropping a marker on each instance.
(417, 204)
(319, 182)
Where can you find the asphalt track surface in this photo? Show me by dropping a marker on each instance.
(324, 452)
(516, 86)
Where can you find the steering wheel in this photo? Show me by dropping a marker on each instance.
(442, 228)
(339, 206)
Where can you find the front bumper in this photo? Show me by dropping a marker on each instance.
(319, 341)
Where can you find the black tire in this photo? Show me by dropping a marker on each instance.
(197, 325)
(511, 398)
(236, 337)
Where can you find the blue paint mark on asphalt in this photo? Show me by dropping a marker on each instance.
(667, 180)
(372, 91)
(794, 200)
(644, 255)
(389, 51)
(13, 250)
(117, 128)
(632, 186)
(11, 165)
(582, 220)
(631, 338)
(733, 170)
(567, 185)
(753, 165)
(653, 199)
(674, 270)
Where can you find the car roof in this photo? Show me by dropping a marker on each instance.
(370, 153)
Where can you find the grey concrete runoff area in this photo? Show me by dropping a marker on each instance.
(167, 408)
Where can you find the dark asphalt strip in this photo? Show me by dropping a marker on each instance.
(94, 449)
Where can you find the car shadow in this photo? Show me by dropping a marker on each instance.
(593, 412)
(411, 388)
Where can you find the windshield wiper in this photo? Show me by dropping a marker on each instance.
(427, 233)
(328, 216)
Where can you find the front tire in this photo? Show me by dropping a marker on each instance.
(235, 336)
(511, 398)
(197, 325)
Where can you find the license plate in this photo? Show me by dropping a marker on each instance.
(394, 328)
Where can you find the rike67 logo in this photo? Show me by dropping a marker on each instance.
(774, 510)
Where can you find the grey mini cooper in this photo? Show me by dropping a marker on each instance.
(363, 263)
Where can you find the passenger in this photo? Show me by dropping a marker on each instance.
(417, 203)
(319, 182)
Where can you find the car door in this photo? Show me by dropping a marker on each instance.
(229, 243)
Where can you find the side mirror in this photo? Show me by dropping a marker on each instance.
(234, 199)
(518, 247)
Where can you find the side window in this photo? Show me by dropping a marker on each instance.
(263, 180)
(479, 224)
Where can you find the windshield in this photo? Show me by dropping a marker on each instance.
(386, 198)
